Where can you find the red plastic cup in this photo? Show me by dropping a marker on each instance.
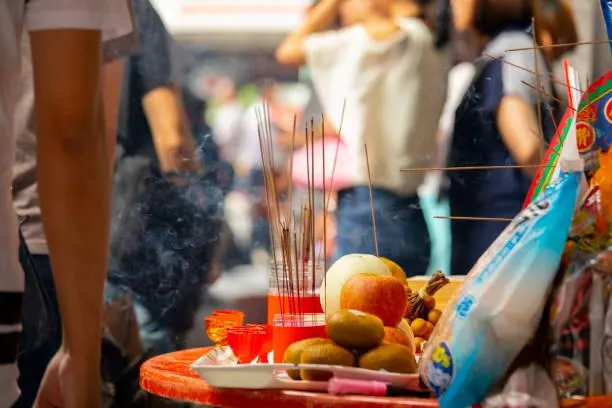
(292, 304)
(246, 342)
(287, 329)
(267, 342)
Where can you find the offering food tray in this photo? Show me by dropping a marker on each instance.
(218, 367)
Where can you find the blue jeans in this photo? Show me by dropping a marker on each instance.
(402, 231)
(260, 235)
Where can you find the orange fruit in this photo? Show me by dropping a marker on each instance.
(419, 327)
(395, 269)
(434, 315)
(429, 328)
(418, 344)
(430, 303)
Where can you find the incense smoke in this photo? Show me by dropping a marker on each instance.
(164, 236)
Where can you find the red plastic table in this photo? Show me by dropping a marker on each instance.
(169, 376)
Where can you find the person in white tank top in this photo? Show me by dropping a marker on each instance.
(387, 69)
(74, 183)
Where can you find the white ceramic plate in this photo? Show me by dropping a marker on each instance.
(219, 369)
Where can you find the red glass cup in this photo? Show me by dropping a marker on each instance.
(287, 329)
(217, 324)
(246, 342)
(237, 314)
(267, 342)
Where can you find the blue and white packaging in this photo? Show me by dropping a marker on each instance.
(497, 310)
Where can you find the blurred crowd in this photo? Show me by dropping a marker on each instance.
(422, 83)
(471, 86)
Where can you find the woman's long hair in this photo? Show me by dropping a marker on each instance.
(556, 18)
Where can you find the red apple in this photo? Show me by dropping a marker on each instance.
(382, 296)
(394, 335)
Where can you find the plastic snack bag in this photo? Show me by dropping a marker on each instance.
(602, 179)
(499, 307)
(578, 335)
(579, 320)
(607, 350)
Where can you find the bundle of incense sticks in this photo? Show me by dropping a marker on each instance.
(292, 239)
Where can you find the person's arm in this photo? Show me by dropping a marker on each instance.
(507, 95)
(406, 9)
(518, 126)
(517, 118)
(74, 184)
(112, 78)
(174, 144)
(292, 50)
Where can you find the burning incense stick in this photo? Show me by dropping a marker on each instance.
(291, 251)
(264, 161)
(331, 184)
(312, 205)
(441, 217)
(471, 168)
(324, 210)
(290, 188)
(367, 160)
(537, 82)
(541, 91)
(592, 42)
(548, 105)
(550, 76)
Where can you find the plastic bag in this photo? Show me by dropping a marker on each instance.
(607, 350)
(577, 366)
(602, 179)
(499, 307)
(578, 320)
(528, 387)
(579, 329)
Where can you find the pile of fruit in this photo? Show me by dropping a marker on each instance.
(372, 318)
(356, 339)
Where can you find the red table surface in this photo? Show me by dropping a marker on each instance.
(169, 376)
